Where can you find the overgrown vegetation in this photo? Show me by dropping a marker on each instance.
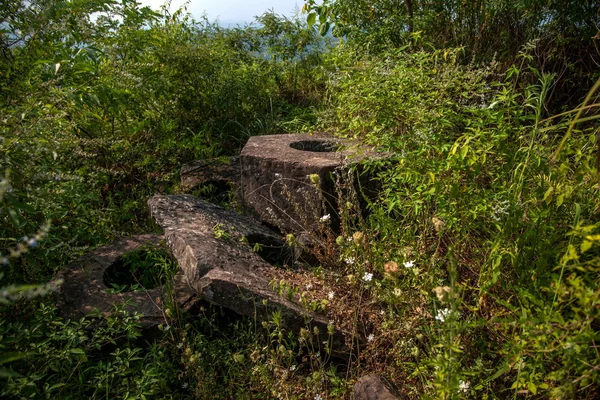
(477, 266)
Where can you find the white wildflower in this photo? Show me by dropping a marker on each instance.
(500, 210)
(293, 368)
(397, 292)
(330, 295)
(309, 286)
(371, 337)
(350, 260)
(318, 397)
(463, 386)
(442, 314)
(325, 218)
(277, 175)
(409, 264)
(367, 277)
(184, 385)
(180, 345)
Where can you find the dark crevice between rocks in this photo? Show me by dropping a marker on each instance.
(273, 252)
(218, 192)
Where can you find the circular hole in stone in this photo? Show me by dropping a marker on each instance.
(318, 146)
(145, 268)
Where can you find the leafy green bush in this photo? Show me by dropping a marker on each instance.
(489, 224)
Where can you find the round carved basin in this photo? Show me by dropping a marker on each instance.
(88, 283)
(145, 268)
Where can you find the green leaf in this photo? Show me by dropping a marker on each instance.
(8, 373)
(58, 385)
(11, 356)
(560, 199)
(500, 372)
(324, 28)
(312, 17)
(531, 386)
(463, 152)
(79, 353)
(548, 195)
(585, 246)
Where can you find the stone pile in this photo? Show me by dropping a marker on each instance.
(214, 248)
(225, 258)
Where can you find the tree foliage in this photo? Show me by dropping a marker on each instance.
(562, 34)
(489, 202)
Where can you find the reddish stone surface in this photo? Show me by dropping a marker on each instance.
(83, 289)
(374, 387)
(223, 268)
(275, 177)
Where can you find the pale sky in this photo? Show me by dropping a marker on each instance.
(231, 10)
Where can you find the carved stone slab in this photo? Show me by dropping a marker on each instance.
(216, 170)
(211, 245)
(83, 288)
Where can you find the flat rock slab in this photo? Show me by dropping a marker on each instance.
(83, 289)
(204, 236)
(374, 387)
(276, 181)
(213, 249)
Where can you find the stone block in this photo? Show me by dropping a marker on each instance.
(220, 172)
(276, 177)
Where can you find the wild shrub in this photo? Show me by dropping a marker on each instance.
(489, 224)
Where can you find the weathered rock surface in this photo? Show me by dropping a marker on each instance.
(219, 171)
(221, 267)
(374, 387)
(204, 236)
(83, 288)
(276, 183)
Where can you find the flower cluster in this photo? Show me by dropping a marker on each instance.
(442, 314)
(463, 386)
(500, 210)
